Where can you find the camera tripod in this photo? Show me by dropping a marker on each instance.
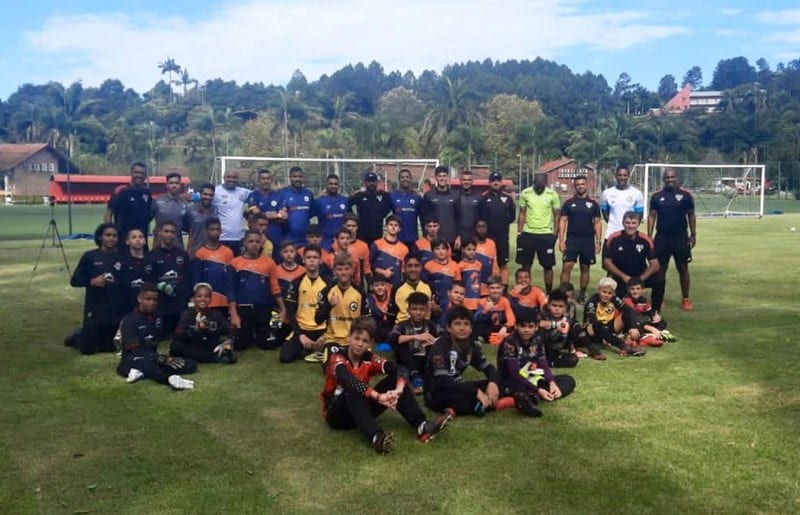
(54, 235)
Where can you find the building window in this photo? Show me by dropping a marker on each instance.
(36, 167)
(51, 167)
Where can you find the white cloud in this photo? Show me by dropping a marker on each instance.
(266, 41)
(730, 11)
(726, 32)
(784, 37)
(781, 17)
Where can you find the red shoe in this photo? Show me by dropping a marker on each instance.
(686, 305)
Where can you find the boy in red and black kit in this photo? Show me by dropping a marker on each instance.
(652, 328)
(557, 332)
(349, 402)
(253, 291)
(605, 315)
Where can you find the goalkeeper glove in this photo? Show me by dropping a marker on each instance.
(166, 288)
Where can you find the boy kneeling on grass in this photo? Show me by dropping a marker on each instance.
(605, 317)
(524, 371)
(348, 400)
(141, 330)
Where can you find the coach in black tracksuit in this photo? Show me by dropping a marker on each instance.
(468, 201)
(441, 203)
(498, 211)
(168, 267)
(100, 272)
(372, 206)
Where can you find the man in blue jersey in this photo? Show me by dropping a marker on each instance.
(330, 209)
(406, 204)
(268, 201)
(297, 199)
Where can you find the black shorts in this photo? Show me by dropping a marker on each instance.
(580, 248)
(540, 245)
(502, 250)
(673, 245)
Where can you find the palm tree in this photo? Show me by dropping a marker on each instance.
(168, 66)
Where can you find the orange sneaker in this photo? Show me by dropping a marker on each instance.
(686, 305)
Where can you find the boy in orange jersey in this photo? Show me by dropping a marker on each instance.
(358, 252)
(349, 402)
(470, 274)
(440, 272)
(526, 297)
(494, 318)
(358, 249)
(314, 238)
(380, 300)
(211, 265)
(386, 254)
(287, 272)
(253, 292)
(430, 232)
(486, 253)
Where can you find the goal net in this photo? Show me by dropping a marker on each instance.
(719, 190)
(315, 170)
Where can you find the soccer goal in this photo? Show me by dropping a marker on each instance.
(350, 171)
(722, 190)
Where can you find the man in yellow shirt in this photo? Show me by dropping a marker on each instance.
(538, 211)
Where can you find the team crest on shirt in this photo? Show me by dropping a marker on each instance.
(353, 306)
(679, 197)
(380, 198)
(588, 205)
(117, 266)
(341, 206)
(273, 203)
(412, 201)
(179, 260)
(148, 269)
(639, 247)
(629, 198)
(305, 198)
(503, 199)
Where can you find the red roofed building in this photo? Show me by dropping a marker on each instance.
(687, 99)
(561, 172)
(25, 168)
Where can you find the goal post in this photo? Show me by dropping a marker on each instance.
(316, 169)
(719, 190)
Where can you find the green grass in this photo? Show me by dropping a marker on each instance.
(708, 424)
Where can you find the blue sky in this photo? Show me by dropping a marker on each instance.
(263, 40)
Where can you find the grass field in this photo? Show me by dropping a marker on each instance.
(705, 425)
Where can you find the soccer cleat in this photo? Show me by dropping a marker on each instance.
(650, 340)
(687, 305)
(179, 383)
(668, 336)
(596, 354)
(314, 357)
(632, 350)
(527, 404)
(428, 430)
(383, 443)
(134, 375)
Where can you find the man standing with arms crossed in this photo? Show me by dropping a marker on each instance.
(372, 206)
(671, 213)
(330, 209)
(468, 200)
(579, 234)
(498, 211)
(619, 199)
(131, 206)
(441, 203)
(538, 212)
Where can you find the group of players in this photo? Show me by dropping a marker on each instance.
(331, 297)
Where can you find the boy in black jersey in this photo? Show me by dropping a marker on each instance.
(141, 330)
(203, 334)
(524, 370)
(349, 402)
(169, 268)
(412, 338)
(448, 358)
(100, 272)
(557, 332)
(606, 315)
(134, 269)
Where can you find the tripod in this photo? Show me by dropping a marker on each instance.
(54, 235)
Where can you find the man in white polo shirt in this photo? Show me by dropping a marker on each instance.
(230, 200)
(619, 199)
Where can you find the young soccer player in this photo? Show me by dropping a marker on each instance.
(494, 318)
(413, 282)
(203, 334)
(455, 298)
(412, 338)
(470, 269)
(100, 272)
(652, 328)
(603, 315)
(253, 292)
(308, 336)
(211, 265)
(440, 272)
(349, 402)
(387, 253)
(287, 272)
(141, 331)
(526, 297)
(525, 372)
(448, 358)
(358, 256)
(486, 254)
(380, 300)
(430, 232)
(339, 305)
(168, 266)
(557, 332)
(314, 237)
(259, 222)
(358, 250)
(134, 271)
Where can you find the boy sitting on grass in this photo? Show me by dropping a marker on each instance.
(449, 356)
(348, 400)
(455, 297)
(141, 330)
(557, 332)
(652, 327)
(524, 371)
(412, 338)
(604, 316)
(526, 297)
(203, 333)
(380, 300)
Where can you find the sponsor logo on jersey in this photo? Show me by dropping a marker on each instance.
(117, 266)
(341, 206)
(379, 197)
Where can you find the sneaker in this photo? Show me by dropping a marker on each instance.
(687, 305)
(581, 354)
(315, 357)
(596, 354)
(527, 404)
(72, 340)
(650, 340)
(179, 383)
(428, 430)
(668, 336)
(134, 375)
(632, 350)
(383, 443)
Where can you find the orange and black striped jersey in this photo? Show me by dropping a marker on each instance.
(253, 281)
(286, 278)
(359, 251)
(441, 276)
(340, 307)
(471, 276)
(389, 255)
(212, 266)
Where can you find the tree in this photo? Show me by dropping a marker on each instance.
(504, 115)
(667, 87)
(168, 66)
(730, 73)
(694, 77)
